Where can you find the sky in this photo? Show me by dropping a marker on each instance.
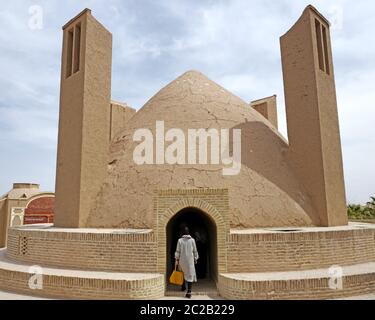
(235, 43)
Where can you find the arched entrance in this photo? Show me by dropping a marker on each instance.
(203, 229)
(16, 221)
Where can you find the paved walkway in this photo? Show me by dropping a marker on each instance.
(13, 296)
(204, 287)
(194, 297)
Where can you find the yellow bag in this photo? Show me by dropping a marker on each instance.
(177, 277)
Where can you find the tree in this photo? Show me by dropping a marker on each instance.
(355, 211)
(359, 212)
(371, 204)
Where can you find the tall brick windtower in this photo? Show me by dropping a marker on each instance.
(84, 118)
(313, 128)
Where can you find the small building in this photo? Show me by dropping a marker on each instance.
(24, 204)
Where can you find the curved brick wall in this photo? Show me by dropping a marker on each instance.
(300, 289)
(77, 284)
(132, 251)
(310, 249)
(109, 250)
(249, 252)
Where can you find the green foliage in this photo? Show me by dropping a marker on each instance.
(360, 212)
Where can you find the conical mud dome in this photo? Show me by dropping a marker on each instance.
(191, 101)
(264, 193)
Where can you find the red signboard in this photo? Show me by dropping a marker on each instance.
(40, 210)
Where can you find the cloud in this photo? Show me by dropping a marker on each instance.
(235, 43)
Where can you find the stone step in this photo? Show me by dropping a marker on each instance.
(181, 294)
(68, 283)
(171, 292)
(203, 287)
(327, 283)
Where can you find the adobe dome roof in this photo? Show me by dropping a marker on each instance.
(264, 193)
(191, 101)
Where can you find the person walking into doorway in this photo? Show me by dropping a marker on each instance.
(186, 256)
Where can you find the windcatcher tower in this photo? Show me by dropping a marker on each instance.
(84, 118)
(313, 129)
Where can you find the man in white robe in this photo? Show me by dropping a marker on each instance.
(186, 256)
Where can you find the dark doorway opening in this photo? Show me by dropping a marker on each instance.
(203, 230)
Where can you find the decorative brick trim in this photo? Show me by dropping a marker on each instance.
(203, 191)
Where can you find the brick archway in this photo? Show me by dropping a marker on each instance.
(169, 203)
